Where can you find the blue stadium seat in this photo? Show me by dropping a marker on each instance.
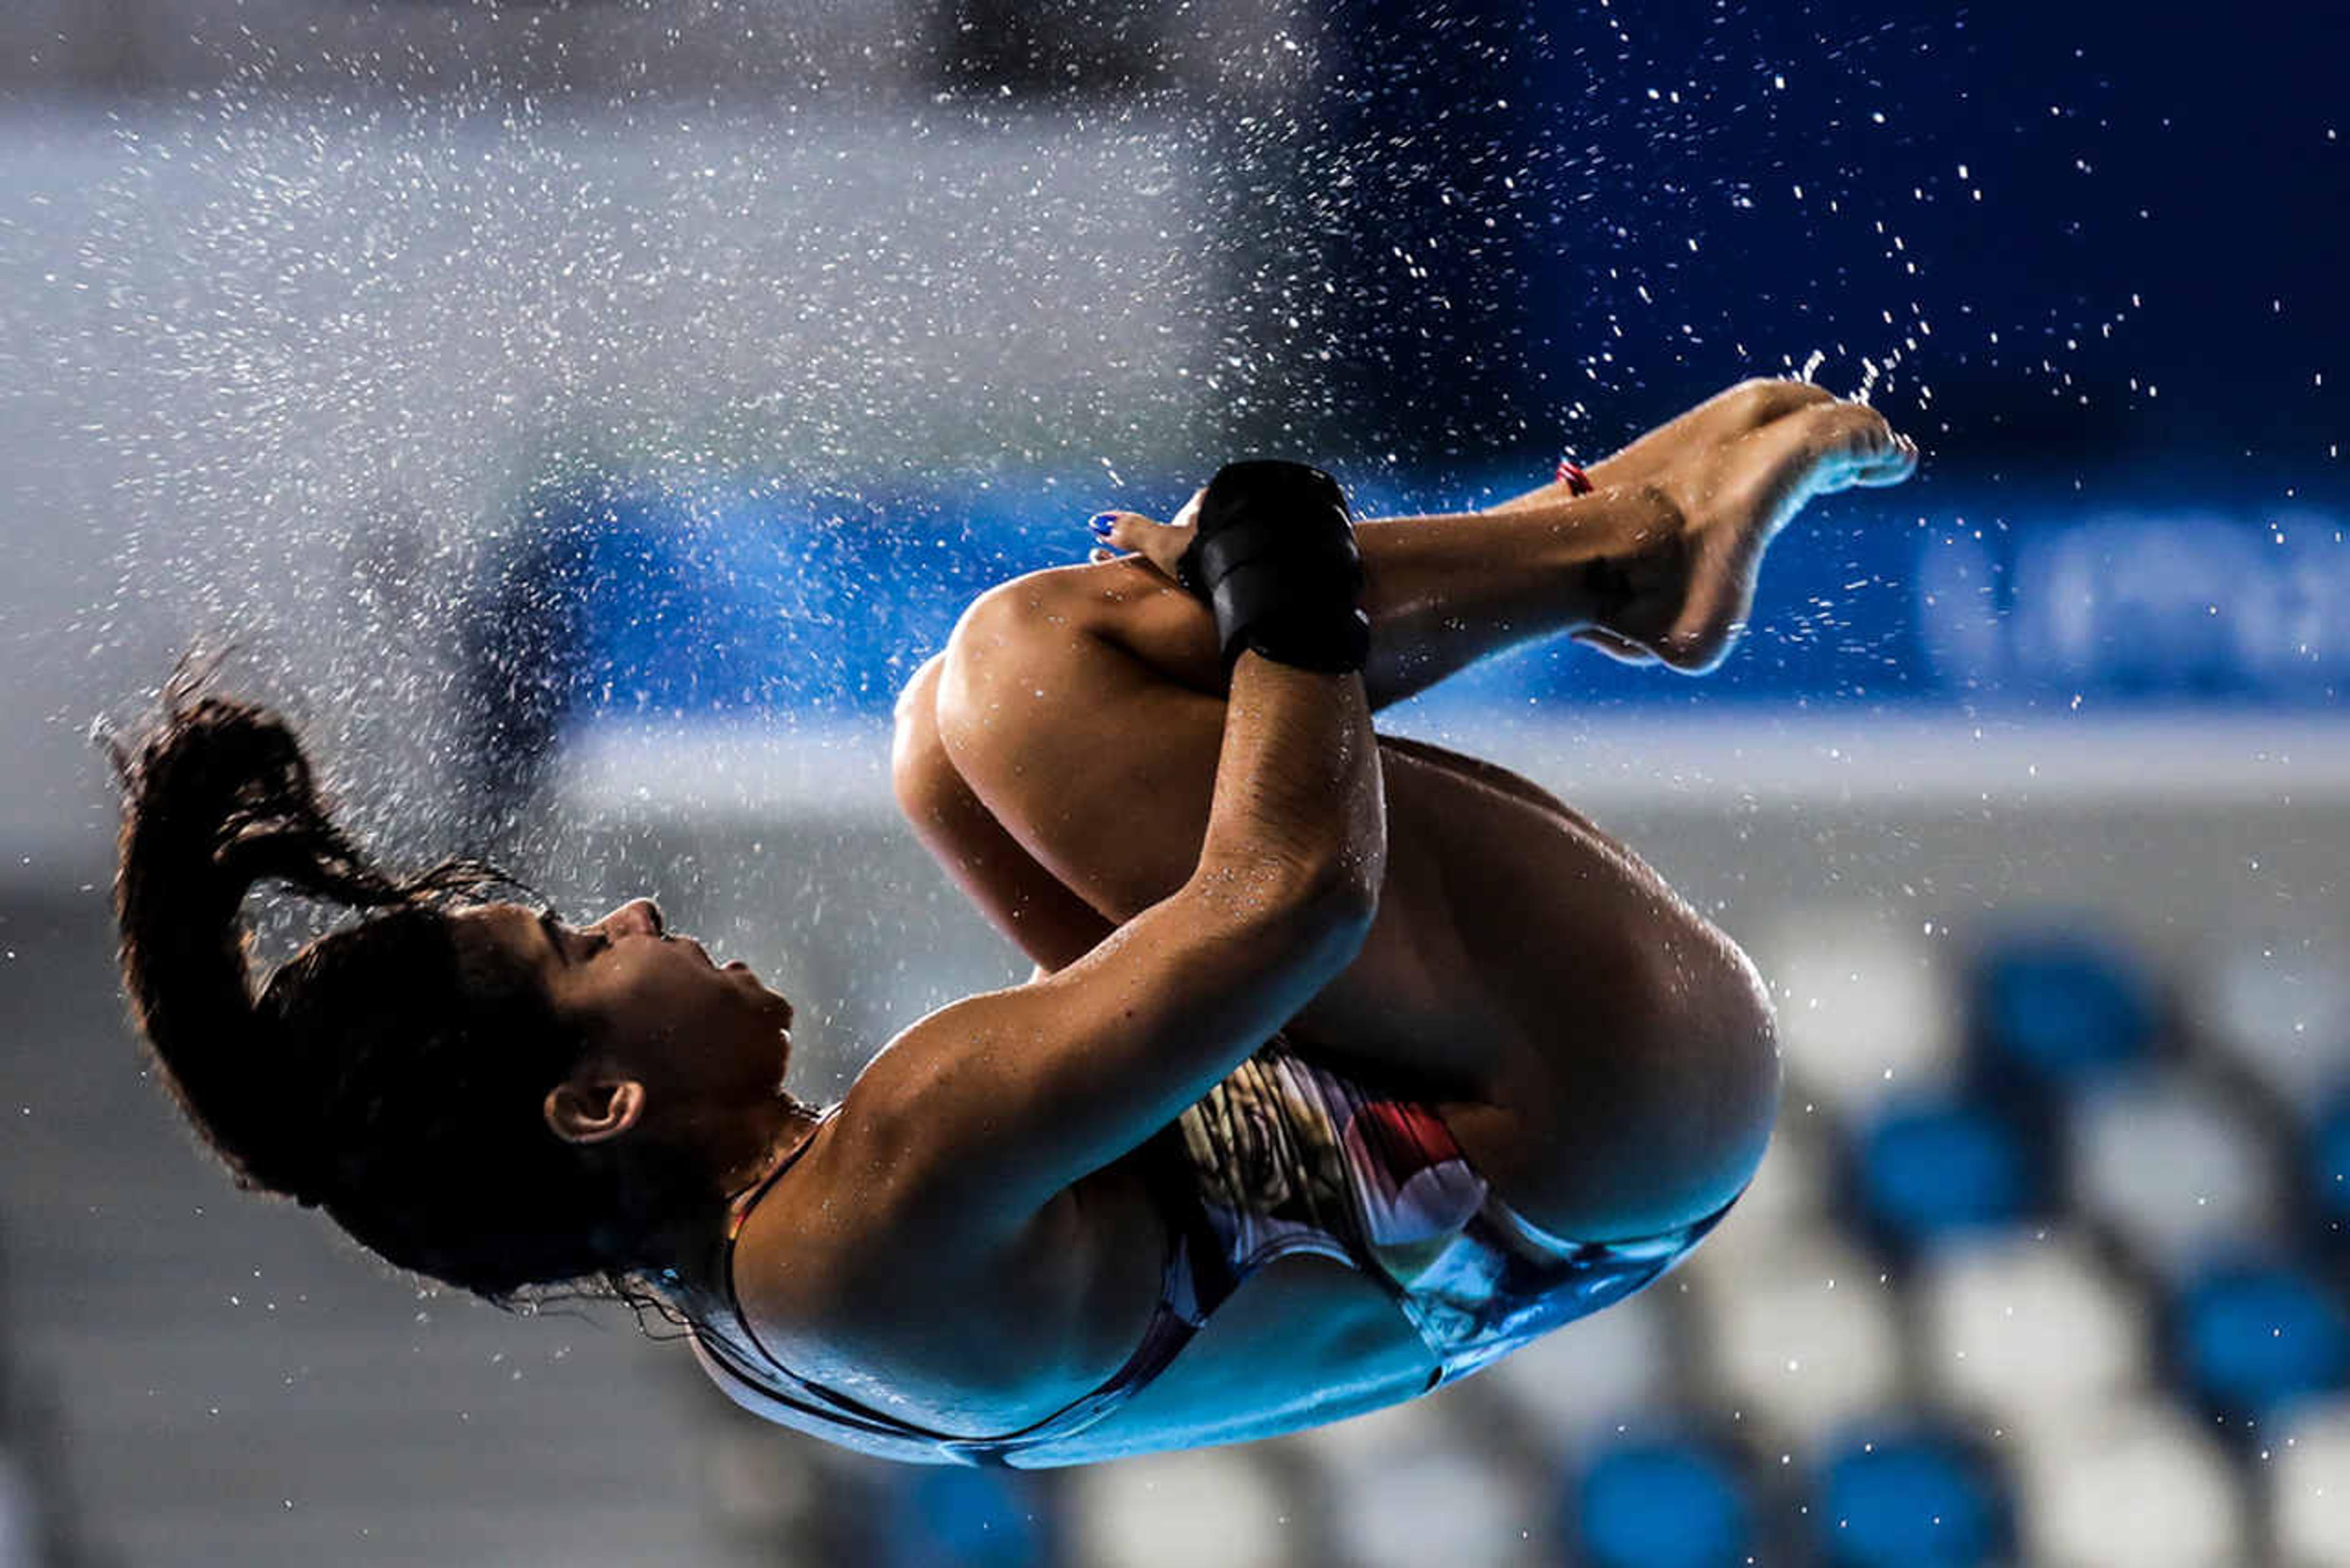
(2252, 1337)
(2059, 1009)
(948, 1517)
(1662, 1503)
(2326, 1165)
(1913, 1498)
(1928, 1170)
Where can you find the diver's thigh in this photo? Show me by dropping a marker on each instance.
(1104, 774)
(1518, 961)
(1630, 1070)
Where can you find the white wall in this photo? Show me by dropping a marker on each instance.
(271, 373)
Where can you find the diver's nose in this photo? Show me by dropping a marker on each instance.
(639, 915)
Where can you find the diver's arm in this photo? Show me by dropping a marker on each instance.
(1010, 1096)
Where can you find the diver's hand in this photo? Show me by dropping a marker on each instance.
(1154, 544)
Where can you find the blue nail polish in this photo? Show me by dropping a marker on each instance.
(1102, 522)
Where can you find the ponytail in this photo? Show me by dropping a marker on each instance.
(384, 1073)
(218, 796)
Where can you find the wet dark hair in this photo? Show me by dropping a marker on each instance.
(386, 1073)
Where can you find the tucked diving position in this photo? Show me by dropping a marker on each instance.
(1349, 1064)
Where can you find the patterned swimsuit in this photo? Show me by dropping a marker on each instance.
(1283, 1155)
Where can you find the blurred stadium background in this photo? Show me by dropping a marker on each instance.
(586, 415)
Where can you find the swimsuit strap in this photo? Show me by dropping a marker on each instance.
(1193, 1282)
(739, 1208)
(1183, 1310)
(1171, 1327)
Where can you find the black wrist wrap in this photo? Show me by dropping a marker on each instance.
(1274, 557)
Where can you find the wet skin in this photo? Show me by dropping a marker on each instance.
(681, 1049)
(884, 1268)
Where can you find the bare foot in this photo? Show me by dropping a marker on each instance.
(1724, 417)
(1684, 599)
(1721, 419)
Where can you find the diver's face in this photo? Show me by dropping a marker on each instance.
(654, 1004)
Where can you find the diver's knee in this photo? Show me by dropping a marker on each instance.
(917, 700)
(1010, 620)
(990, 629)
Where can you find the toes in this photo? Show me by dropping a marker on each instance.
(1856, 446)
(1895, 464)
(1893, 468)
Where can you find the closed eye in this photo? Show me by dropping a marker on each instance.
(571, 945)
(550, 926)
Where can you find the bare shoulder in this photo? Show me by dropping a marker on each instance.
(853, 1271)
(906, 1120)
(887, 1170)
(858, 1217)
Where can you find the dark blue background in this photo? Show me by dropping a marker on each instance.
(2191, 157)
(2119, 334)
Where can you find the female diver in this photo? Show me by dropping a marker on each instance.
(1349, 1064)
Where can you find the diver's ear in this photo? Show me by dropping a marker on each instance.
(592, 1110)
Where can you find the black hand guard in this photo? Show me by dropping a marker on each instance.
(1274, 557)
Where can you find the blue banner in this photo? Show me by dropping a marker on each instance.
(823, 604)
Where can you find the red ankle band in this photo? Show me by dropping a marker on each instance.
(1573, 478)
